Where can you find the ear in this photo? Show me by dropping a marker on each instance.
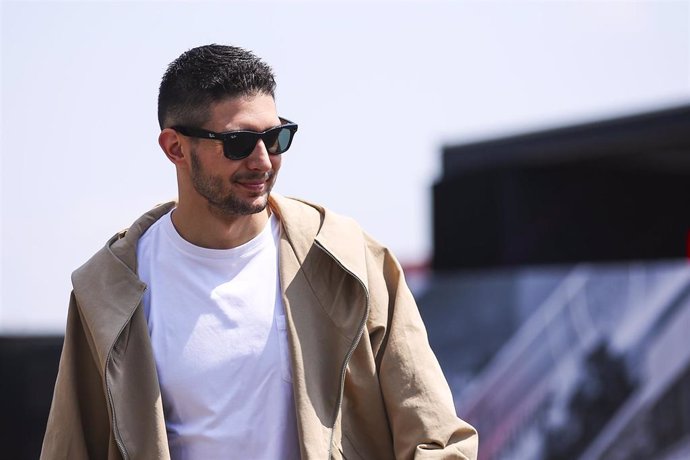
(171, 143)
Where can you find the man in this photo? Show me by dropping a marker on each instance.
(236, 323)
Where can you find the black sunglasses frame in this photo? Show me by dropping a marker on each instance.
(228, 136)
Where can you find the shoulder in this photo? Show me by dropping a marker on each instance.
(307, 224)
(119, 252)
(321, 220)
(296, 211)
(315, 219)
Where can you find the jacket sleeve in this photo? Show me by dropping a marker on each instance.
(416, 395)
(78, 424)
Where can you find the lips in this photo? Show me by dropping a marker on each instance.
(254, 182)
(254, 186)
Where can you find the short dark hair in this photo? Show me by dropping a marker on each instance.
(209, 74)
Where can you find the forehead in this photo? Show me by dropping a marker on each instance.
(255, 112)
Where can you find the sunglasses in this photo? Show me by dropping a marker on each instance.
(240, 144)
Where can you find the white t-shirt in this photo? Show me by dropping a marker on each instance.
(217, 326)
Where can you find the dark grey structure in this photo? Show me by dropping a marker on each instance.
(29, 367)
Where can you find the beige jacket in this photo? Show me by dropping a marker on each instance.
(366, 384)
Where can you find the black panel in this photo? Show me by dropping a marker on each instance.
(536, 207)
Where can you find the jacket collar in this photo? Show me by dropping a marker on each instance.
(107, 286)
(305, 223)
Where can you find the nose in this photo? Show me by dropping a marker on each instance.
(259, 160)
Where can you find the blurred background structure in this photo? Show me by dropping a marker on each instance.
(547, 245)
(559, 297)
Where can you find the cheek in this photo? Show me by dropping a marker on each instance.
(276, 160)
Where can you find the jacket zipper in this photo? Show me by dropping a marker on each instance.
(351, 351)
(116, 431)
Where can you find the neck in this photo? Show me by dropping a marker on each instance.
(206, 227)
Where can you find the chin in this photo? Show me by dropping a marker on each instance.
(258, 207)
(251, 205)
(258, 202)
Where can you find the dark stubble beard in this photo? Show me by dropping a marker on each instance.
(211, 188)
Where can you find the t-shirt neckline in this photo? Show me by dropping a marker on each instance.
(247, 249)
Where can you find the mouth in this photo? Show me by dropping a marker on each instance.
(253, 186)
(256, 184)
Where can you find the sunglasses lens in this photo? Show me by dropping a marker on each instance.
(240, 145)
(277, 140)
(271, 141)
(284, 139)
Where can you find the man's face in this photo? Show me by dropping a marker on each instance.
(235, 187)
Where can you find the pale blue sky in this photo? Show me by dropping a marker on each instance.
(377, 88)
